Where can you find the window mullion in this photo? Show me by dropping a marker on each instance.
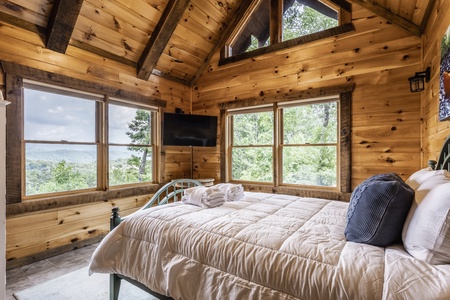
(102, 144)
(276, 20)
(276, 146)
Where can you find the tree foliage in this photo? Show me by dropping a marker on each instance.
(48, 176)
(140, 134)
(298, 20)
(308, 145)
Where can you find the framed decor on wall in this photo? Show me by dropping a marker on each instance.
(444, 93)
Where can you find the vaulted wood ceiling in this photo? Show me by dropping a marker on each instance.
(174, 39)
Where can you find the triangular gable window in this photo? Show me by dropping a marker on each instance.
(270, 22)
(302, 17)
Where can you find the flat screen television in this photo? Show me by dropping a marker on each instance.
(189, 130)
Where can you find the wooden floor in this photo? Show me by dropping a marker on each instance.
(27, 276)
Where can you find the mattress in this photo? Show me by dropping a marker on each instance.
(266, 246)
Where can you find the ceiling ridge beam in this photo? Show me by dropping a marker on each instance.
(160, 37)
(390, 16)
(61, 24)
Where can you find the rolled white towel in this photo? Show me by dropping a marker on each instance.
(203, 197)
(233, 192)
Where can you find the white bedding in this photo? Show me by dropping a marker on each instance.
(266, 246)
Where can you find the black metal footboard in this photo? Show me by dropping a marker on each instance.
(171, 191)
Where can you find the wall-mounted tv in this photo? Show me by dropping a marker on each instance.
(189, 130)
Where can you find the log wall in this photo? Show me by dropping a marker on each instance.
(433, 131)
(377, 57)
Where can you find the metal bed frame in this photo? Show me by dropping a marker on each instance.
(170, 192)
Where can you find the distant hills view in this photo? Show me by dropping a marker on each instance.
(72, 156)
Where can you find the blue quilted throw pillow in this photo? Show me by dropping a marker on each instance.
(378, 209)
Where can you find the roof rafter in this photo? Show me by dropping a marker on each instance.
(61, 24)
(390, 16)
(160, 37)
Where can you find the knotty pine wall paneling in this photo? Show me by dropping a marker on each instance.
(47, 237)
(377, 58)
(433, 132)
(38, 235)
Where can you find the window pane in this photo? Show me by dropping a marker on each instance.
(310, 165)
(129, 165)
(301, 19)
(252, 164)
(310, 124)
(256, 32)
(58, 168)
(128, 125)
(253, 129)
(56, 117)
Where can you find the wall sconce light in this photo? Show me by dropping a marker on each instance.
(417, 82)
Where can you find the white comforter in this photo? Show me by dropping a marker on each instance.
(266, 246)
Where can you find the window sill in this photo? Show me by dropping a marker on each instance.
(78, 199)
(301, 192)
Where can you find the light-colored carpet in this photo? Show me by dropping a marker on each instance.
(79, 285)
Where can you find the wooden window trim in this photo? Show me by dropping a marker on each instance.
(345, 99)
(14, 76)
(343, 7)
(332, 32)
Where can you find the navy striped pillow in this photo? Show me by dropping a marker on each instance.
(378, 209)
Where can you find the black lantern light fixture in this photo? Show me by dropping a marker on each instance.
(417, 82)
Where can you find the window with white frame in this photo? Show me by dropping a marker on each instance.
(291, 143)
(64, 141)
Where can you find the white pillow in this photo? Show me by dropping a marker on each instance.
(420, 176)
(426, 232)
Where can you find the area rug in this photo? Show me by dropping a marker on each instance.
(79, 285)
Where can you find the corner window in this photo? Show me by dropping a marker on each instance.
(131, 144)
(65, 147)
(252, 146)
(292, 143)
(59, 140)
(309, 144)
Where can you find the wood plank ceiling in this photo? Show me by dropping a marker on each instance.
(174, 39)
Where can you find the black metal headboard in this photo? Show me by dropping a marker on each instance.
(444, 157)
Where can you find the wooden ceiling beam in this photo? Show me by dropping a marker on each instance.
(160, 37)
(390, 16)
(61, 23)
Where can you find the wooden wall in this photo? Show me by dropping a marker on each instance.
(35, 235)
(433, 131)
(191, 162)
(26, 48)
(378, 58)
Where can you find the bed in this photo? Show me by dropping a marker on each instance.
(273, 246)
